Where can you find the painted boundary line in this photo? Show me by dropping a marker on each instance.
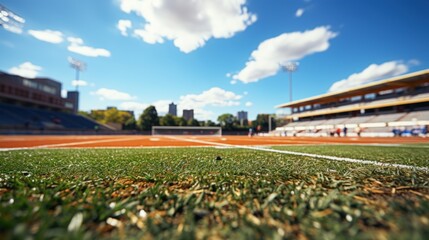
(67, 144)
(340, 159)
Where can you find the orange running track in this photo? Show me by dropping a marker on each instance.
(108, 141)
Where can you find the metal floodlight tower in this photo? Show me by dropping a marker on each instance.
(10, 20)
(290, 67)
(79, 66)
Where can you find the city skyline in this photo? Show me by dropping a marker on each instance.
(154, 52)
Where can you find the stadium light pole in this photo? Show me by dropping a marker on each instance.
(290, 67)
(79, 66)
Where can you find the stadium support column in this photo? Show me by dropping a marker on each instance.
(290, 67)
(73, 96)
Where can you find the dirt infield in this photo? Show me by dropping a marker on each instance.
(17, 142)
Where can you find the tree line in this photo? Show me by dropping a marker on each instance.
(150, 117)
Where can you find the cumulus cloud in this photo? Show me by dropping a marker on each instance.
(213, 97)
(299, 12)
(63, 93)
(372, 73)
(112, 94)
(76, 46)
(248, 104)
(26, 69)
(203, 114)
(123, 26)
(189, 24)
(161, 106)
(80, 83)
(275, 52)
(47, 35)
(137, 107)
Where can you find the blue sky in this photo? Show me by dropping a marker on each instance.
(214, 56)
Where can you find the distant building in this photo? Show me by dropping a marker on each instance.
(242, 118)
(188, 114)
(172, 109)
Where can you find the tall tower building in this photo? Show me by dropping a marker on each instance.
(242, 117)
(172, 109)
(188, 114)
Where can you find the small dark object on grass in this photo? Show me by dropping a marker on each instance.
(200, 214)
(218, 158)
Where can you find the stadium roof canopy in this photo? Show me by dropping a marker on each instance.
(408, 80)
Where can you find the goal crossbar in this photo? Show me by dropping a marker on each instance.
(177, 130)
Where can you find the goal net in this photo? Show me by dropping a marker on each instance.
(200, 131)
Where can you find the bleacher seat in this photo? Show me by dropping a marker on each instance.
(18, 117)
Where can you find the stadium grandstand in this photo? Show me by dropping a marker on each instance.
(36, 106)
(397, 106)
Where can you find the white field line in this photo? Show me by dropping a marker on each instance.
(59, 145)
(341, 159)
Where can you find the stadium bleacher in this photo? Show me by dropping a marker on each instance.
(383, 108)
(15, 117)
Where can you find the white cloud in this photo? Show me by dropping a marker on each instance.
(213, 97)
(203, 114)
(112, 94)
(63, 93)
(80, 83)
(189, 24)
(275, 52)
(123, 26)
(372, 73)
(299, 12)
(47, 35)
(413, 62)
(161, 106)
(76, 46)
(26, 69)
(248, 104)
(137, 107)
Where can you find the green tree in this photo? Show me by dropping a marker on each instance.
(262, 124)
(193, 122)
(86, 114)
(167, 120)
(148, 118)
(210, 123)
(180, 121)
(226, 121)
(97, 115)
(130, 124)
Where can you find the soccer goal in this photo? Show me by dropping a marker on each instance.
(200, 131)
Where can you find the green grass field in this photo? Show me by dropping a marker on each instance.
(185, 193)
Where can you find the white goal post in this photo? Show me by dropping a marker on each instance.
(189, 131)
